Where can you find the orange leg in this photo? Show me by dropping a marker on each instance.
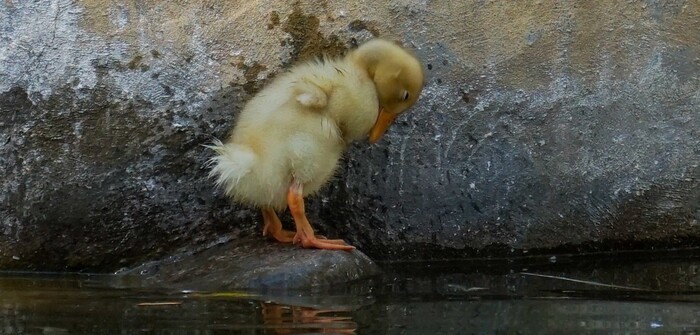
(273, 227)
(305, 234)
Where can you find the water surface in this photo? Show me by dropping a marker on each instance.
(601, 295)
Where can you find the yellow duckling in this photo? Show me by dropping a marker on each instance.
(288, 139)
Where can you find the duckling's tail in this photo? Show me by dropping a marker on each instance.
(232, 162)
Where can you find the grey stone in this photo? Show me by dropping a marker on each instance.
(251, 264)
(543, 127)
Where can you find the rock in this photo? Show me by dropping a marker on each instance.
(542, 128)
(252, 264)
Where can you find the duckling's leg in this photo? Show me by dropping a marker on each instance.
(273, 226)
(305, 234)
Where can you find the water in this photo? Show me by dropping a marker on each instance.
(596, 295)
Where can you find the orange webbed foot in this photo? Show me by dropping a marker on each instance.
(273, 227)
(305, 234)
(320, 243)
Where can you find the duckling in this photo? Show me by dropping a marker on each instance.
(289, 137)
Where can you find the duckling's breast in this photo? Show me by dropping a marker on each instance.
(354, 104)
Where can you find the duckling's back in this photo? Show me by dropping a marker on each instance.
(296, 127)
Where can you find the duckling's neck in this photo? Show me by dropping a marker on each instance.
(367, 59)
(353, 104)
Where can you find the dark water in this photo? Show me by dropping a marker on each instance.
(608, 295)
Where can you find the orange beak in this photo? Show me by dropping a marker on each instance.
(384, 120)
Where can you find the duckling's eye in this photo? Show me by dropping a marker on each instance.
(405, 95)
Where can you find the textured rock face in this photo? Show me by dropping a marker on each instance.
(542, 125)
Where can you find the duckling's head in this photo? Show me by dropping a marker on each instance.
(398, 76)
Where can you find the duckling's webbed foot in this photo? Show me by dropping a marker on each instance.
(273, 227)
(305, 234)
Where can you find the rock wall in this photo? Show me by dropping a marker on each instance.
(544, 126)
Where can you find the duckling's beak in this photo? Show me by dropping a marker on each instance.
(384, 120)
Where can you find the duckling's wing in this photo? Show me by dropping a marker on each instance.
(311, 92)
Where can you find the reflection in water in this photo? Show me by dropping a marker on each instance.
(304, 320)
(65, 305)
(624, 298)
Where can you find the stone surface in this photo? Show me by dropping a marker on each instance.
(544, 126)
(252, 264)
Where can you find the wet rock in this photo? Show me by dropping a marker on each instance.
(252, 264)
(542, 128)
